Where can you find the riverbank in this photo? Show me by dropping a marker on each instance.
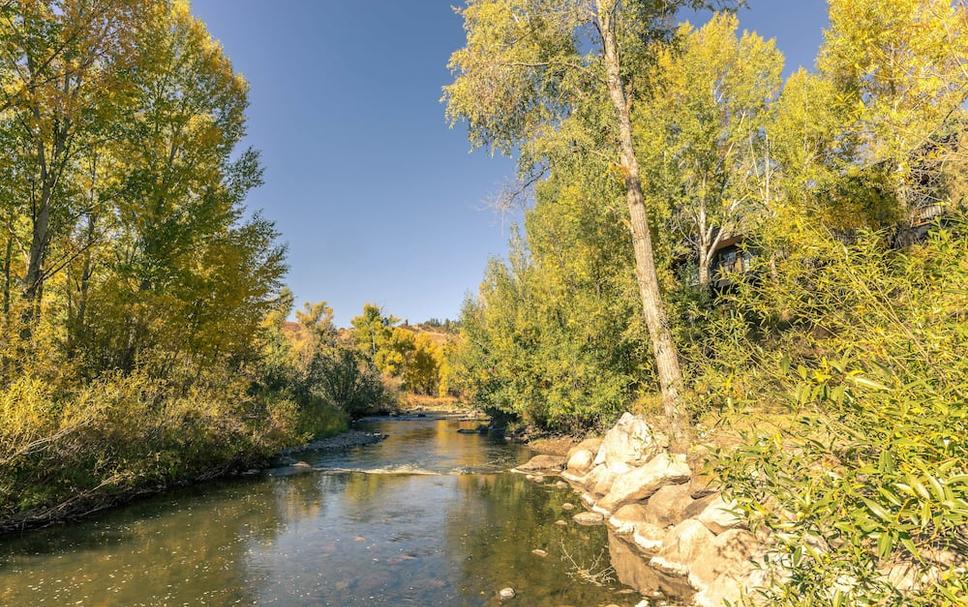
(88, 504)
(700, 544)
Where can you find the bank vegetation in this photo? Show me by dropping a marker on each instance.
(809, 246)
(143, 333)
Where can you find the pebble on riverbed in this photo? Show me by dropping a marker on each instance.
(506, 594)
(589, 518)
(539, 552)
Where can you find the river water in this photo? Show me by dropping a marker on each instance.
(427, 517)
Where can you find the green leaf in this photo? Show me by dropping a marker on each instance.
(877, 510)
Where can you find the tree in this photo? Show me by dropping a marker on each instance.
(63, 58)
(707, 126)
(371, 329)
(904, 64)
(527, 66)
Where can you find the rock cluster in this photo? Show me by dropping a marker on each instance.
(678, 521)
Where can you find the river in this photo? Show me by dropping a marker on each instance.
(427, 517)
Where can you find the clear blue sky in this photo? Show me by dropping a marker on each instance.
(377, 199)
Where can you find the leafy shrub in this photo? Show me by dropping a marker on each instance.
(869, 474)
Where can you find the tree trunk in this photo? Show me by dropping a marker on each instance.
(704, 273)
(663, 347)
(7, 260)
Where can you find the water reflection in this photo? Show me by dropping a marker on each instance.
(353, 538)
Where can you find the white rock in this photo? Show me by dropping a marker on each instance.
(648, 538)
(667, 506)
(630, 443)
(600, 480)
(625, 518)
(681, 546)
(720, 516)
(581, 461)
(729, 553)
(640, 483)
(725, 588)
(506, 594)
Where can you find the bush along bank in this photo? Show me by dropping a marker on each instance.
(70, 447)
(685, 524)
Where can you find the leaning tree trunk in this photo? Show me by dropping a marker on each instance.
(663, 347)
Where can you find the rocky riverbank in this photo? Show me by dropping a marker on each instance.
(677, 520)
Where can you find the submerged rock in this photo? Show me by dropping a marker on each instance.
(506, 594)
(589, 518)
(543, 463)
(351, 438)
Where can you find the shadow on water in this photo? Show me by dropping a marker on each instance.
(405, 525)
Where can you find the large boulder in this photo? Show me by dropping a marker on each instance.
(667, 506)
(703, 484)
(695, 508)
(720, 516)
(728, 553)
(625, 518)
(630, 443)
(630, 520)
(725, 590)
(599, 480)
(580, 461)
(640, 483)
(681, 546)
(648, 538)
(543, 463)
(589, 444)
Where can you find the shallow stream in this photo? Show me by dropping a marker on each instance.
(427, 517)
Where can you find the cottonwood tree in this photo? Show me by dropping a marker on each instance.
(61, 61)
(707, 125)
(527, 65)
(904, 64)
